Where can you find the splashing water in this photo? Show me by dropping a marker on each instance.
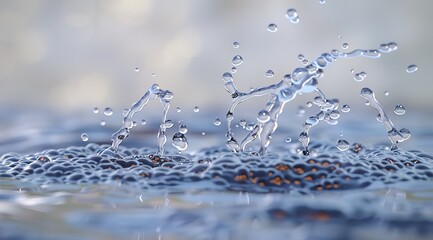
(301, 80)
(152, 93)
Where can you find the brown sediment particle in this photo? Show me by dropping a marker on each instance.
(254, 180)
(335, 185)
(287, 181)
(277, 181)
(241, 178)
(319, 188)
(308, 178)
(311, 161)
(313, 169)
(282, 167)
(299, 170)
(297, 182)
(320, 216)
(325, 163)
(347, 178)
(261, 184)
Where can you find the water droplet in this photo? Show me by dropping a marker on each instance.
(359, 77)
(309, 104)
(399, 110)
(217, 121)
(305, 61)
(263, 116)
(167, 124)
(345, 108)
(411, 68)
(345, 45)
(143, 122)
(183, 129)
(153, 74)
(134, 123)
(322, 1)
(301, 57)
(312, 121)
(242, 123)
(237, 60)
(103, 123)
(272, 27)
(95, 110)
(340, 37)
(386, 93)
(352, 70)
(137, 69)
(178, 109)
(300, 111)
(227, 77)
(288, 140)
(108, 111)
(196, 109)
(84, 137)
(250, 126)
(269, 74)
(203, 133)
(125, 111)
(234, 70)
(179, 141)
(235, 44)
(343, 145)
(292, 15)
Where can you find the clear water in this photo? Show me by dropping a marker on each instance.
(140, 187)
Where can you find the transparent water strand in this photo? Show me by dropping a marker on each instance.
(394, 135)
(153, 92)
(301, 80)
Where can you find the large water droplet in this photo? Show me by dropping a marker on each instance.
(179, 141)
(108, 111)
(343, 145)
(237, 60)
(272, 27)
(227, 77)
(269, 74)
(84, 137)
(399, 110)
(411, 68)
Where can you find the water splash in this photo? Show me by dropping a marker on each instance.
(301, 80)
(152, 93)
(393, 135)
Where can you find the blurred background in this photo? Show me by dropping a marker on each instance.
(67, 57)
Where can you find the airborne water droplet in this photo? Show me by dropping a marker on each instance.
(399, 110)
(269, 74)
(178, 109)
(343, 145)
(359, 77)
(137, 69)
(227, 77)
(217, 121)
(345, 108)
(143, 122)
(235, 44)
(386, 93)
(95, 110)
(237, 60)
(103, 123)
(272, 27)
(196, 109)
(301, 57)
(234, 70)
(108, 111)
(411, 68)
(84, 137)
(292, 15)
(179, 141)
(345, 45)
(322, 1)
(288, 140)
(183, 129)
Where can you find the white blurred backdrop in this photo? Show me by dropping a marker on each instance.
(69, 56)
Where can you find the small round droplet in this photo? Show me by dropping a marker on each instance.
(292, 15)
(234, 70)
(237, 60)
(235, 44)
(183, 129)
(269, 74)
(399, 110)
(301, 57)
(242, 123)
(411, 68)
(322, 1)
(305, 61)
(217, 122)
(203, 133)
(345, 46)
(263, 116)
(343, 145)
(309, 104)
(95, 110)
(345, 108)
(153, 74)
(179, 141)
(272, 27)
(143, 122)
(300, 111)
(137, 69)
(288, 140)
(102, 123)
(178, 109)
(84, 137)
(196, 109)
(125, 111)
(167, 124)
(134, 123)
(108, 111)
